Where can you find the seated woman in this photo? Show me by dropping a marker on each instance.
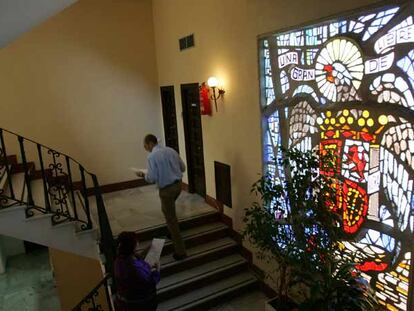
(135, 279)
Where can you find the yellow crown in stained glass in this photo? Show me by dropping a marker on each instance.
(352, 121)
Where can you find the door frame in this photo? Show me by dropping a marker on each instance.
(169, 88)
(185, 115)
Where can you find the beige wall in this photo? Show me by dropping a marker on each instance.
(85, 83)
(226, 46)
(75, 276)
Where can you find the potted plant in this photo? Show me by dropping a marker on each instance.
(295, 230)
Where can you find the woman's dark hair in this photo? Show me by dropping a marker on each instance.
(127, 241)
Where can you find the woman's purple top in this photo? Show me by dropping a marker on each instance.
(135, 279)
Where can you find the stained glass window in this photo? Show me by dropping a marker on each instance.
(347, 85)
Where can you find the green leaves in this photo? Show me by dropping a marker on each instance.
(303, 244)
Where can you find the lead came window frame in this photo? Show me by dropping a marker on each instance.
(347, 82)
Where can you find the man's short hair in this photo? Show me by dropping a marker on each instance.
(151, 139)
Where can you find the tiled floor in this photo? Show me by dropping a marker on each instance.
(28, 284)
(254, 301)
(139, 208)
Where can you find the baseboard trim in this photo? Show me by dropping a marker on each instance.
(124, 185)
(247, 254)
(268, 291)
(185, 187)
(219, 207)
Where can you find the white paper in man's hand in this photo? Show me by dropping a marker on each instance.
(138, 170)
(154, 253)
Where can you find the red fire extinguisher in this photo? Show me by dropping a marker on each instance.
(205, 105)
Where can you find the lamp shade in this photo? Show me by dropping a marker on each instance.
(212, 82)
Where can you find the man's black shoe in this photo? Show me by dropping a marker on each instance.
(179, 257)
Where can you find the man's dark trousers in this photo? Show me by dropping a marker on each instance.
(168, 196)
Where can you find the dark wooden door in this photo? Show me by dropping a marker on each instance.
(169, 117)
(193, 138)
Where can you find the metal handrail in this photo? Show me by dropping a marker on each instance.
(58, 194)
(44, 146)
(58, 184)
(107, 243)
(90, 298)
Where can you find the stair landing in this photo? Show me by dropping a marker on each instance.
(140, 208)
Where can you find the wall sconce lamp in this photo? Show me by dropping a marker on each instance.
(213, 83)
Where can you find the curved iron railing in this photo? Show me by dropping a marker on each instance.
(66, 188)
(94, 301)
(56, 171)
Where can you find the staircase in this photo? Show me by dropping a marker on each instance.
(39, 227)
(213, 272)
(46, 201)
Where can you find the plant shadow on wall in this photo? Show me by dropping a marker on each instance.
(297, 232)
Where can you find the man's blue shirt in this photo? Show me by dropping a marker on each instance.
(164, 166)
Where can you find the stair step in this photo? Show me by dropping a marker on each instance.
(11, 160)
(67, 209)
(37, 174)
(38, 229)
(81, 210)
(3, 180)
(198, 255)
(211, 294)
(196, 277)
(32, 223)
(38, 193)
(13, 209)
(19, 187)
(87, 233)
(194, 236)
(185, 224)
(3, 171)
(40, 217)
(19, 167)
(20, 191)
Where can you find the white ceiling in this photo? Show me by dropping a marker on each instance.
(19, 16)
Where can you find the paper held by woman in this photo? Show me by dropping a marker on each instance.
(154, 253)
